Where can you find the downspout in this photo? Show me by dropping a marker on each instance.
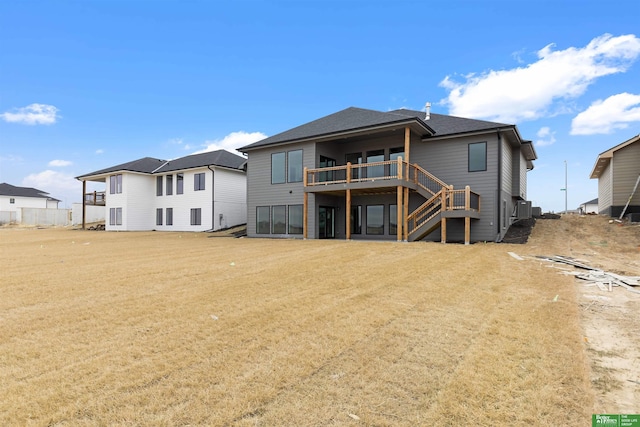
(213, 198)
(499, 201)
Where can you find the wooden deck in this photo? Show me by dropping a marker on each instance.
(400, 177)
(97, 198)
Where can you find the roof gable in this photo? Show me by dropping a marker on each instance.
(605, 157)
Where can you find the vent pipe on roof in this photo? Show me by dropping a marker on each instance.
(428, 110)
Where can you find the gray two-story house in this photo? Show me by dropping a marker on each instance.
(397, 175)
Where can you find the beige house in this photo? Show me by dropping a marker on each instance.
(618, 173)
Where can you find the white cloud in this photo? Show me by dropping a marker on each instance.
(34, 114)
(527, 93)
(232, 141)
(60, 163)
(59, 185)
(99, 151)
(545, 137)
(604, 116)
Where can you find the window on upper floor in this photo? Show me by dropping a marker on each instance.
(169, 189)
(115, 184)
(158, 185)
(12, 200)
(294, 166)
(478, 157)
(286, 167)
(198, 181)
(278, 168)
(179, 183)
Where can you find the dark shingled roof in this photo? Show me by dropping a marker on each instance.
(353, 118)
(150, 165)
(451, 125)
(143, 165)
(220, 158)
(12, 190)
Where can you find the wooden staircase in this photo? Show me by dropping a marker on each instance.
(441, 199)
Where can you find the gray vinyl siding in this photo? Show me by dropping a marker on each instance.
(605, 196)
(507, 167)
(448, 160)
(523, 175)
(519, 174)
(339, 150)
(260, 191)
(626, 167)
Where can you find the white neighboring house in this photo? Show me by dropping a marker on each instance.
(13, 199)
(590, 207)
(200, 192)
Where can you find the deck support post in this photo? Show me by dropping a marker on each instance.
(407, 143)
(443, 231)
(407, 149)
(467, 219)
(348, 214)
(399, 223)
(467, 230)
(84, 203)
(305, 205)
(305, 215)
(443, 208)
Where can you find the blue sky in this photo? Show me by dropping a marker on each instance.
(90, 84)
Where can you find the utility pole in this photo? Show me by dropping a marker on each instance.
(566, 188)
(566, 209)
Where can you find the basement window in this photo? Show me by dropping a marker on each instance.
(295, 219)
(196, 216)
(279, 223)
(263, 220)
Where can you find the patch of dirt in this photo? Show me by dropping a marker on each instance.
(610, 320)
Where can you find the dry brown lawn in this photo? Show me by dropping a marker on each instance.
(155, 328)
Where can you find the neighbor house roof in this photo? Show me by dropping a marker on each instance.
(220, 158)
(143, 165)
(13, 191)
(150, 165)
(355, 119)
(605, 157)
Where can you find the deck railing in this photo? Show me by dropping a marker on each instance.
(98, 198)
(393, 169)
(425, 212)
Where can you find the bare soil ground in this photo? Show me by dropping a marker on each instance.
(610, 320)
(101, 328)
